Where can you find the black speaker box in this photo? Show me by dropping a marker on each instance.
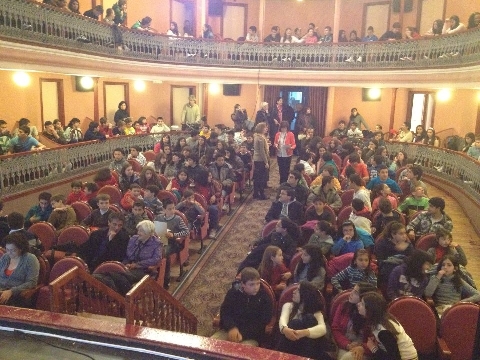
(231, 89)
(215, 7)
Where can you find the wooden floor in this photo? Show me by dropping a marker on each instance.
(463, 233)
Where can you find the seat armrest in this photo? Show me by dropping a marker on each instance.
(216, 321)
(443, 350)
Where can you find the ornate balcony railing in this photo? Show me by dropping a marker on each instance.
(23, 171)
(38, 24)
(453, 166)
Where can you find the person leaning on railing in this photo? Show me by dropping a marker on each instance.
(24, 142)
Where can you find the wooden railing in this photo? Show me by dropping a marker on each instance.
(31, 22)
(146, 304)
(19, 172)
(77, 292)
(149, 304)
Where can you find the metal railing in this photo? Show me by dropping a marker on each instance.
(38, 24)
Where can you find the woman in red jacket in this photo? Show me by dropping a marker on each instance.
(284, 143)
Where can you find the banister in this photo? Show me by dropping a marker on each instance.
(149, 304)
(31, 22)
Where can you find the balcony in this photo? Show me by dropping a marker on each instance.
(55, 40)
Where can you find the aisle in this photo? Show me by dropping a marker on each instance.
(206, 289)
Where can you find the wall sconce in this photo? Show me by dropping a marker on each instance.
(21, 78)
(139, 85)
(444, 95)
(214, 88)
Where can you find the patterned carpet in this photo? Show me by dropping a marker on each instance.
(206, 291)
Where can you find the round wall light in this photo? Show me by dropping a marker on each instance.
(139, 85)
(21, 78)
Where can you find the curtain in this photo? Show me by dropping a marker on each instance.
(317, 100)
(271, 94)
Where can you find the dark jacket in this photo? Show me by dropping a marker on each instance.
(249, 313)
(295, 212)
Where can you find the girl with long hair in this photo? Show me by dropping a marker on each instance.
(399, 161)
(312, 267)
(127, 177)
(160, 163)
(148, 176)
(272, 269)
(179, 183)
(358, 270)
(389, 340)
(431, 139)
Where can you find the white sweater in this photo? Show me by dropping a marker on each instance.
(315, 332)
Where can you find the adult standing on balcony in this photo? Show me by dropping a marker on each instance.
(120, 11)
(358, 119)
(121, 113)
(190, 113)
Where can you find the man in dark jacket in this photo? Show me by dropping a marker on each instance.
(286, 206)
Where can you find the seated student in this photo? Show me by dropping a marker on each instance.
(448, 286)
(373, 166)
(211, 190)
(15, 223)
(348, 327)
(382, 191)
(194, 169)
(293, 182)
(24, 141)
(223, 172)
(176, 230)
(179, 183)
(98, 218)
(144, 25)
(148, 176)
(105, 128)
(127, 177)
(360, 192)
(445, 245)
(51, 134)
(39, 212)
(360, 216)
(77, 193)
(192, 140)
(431, 220)
(129, 129)
(318, 212)
(417, 201)
(328, 161)
(383, 217)
(109, 243)
(300, 167)
(19, 270)
(369, 151)
(348, 241)
(312, 267)
(235, 162)
(150, 199)
(272, 269)
(411, 277)
(327, 170)
(328, 192)
(91, 190)
(159, 127)
(245, 311)
(205, 132)
(358, 271)
(383, 178)
(359, 167)
(136, 154)
(414, 174)
(73, 133)
(191, 209)
(341, 131)
(119, 129)
(474, 150)
(132, 195)
(286, 206)
(354, 132)
(62, 215)
(5, 137)
(104, 177)
(94, 13)
(118, 160)
(246, 157)
(302, 326)
(92, 133)
(249, 141)
(133, 218)
(322, 237)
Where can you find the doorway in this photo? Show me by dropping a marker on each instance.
(181, 11)
(421, 106)
(52, 100)
(234, 22)
(113, 93)
(179, 97)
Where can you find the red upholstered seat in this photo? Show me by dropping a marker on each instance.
(45, 232)
(202, 234)
(113, 191)
(347, 197)
(343, 215)
(163, 180)
(458, 327)
(165, 194)
(137, 167)
(110, 266)
(43, 276)
(75, 234)
(268, 228)
(426, 242)
(337, 301)
(150, 155)
(419, 322)
(294, 261)
(150, 214)
(82, 210)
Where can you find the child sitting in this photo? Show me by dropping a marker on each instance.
(349, 240)
(445, 246)
(322, 237)
(62, 215)
(98, 218)
(246, 157)
(385, 215)
(179, 183)
(150, 198)
(191, 209)
(417, 201)
(360, 215)
(129, 129)
(382, 191)
(91, 190)
(312, 267)
(39, 212)
(273, 270)
(133, 218)
(132, 195)
(318, 212)
(76, 194)
(358, 270)
(136, 154)
(205, 131)
(448, 286)
(104, 177)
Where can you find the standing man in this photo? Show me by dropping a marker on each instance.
(190, 113)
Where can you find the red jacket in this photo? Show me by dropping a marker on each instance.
(289, 140)
(72, 197)
(111, 181)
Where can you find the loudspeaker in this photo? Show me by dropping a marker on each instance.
(231, 89)
(215, 7)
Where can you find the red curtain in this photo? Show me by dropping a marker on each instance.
(317, 100)
(271, 94)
